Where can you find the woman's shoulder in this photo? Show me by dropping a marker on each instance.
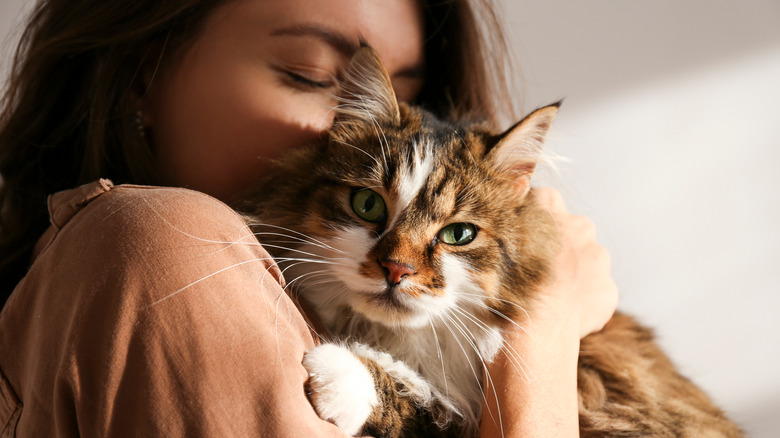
(148, 229)
(158, 240)
(129, 203)
(136, 211)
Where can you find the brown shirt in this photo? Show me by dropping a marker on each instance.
(152, 312)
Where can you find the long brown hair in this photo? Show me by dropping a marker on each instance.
(68, 114)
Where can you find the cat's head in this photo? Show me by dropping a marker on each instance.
(403, 218)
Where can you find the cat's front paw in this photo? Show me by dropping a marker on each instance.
(341, 388)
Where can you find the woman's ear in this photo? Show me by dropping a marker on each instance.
(145, 88)
(142, 92)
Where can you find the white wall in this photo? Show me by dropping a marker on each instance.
(672, 128)
(671, 125)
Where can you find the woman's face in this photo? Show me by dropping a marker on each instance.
(260, 79)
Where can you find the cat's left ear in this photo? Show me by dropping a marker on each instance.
(518, 150)
(366, 91)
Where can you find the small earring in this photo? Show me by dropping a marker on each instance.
(139, 123)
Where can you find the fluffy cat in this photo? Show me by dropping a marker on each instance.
(416, 241)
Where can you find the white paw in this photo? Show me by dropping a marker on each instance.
(342, 389)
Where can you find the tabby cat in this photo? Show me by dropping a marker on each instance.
(415, 241)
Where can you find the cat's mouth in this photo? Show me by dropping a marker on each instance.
(390, 307)
(390, 298)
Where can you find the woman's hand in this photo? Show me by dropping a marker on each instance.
(582, 288)
(532, 384)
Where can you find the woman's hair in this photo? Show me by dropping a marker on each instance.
(69, 111)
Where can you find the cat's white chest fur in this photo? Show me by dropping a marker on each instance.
(444, 359)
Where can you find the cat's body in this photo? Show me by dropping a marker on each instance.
(416, 242)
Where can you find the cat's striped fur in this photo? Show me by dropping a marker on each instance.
(416, 292)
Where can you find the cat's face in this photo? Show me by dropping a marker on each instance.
(405, 219)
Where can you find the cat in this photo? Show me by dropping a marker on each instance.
(416, 240)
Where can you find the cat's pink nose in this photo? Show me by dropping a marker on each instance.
(396, 271)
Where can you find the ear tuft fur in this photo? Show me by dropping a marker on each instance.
(519, 149)
(366, 91)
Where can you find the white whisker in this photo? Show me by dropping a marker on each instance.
(441, 357)
(209, 276)
(462, 331)
(304, 237)
(478, 299)
(514, 356)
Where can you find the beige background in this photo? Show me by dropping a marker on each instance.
(671, 128)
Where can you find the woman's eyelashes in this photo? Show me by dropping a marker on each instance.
(301, 80)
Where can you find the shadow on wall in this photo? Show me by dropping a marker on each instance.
(760, 419)
(600, 47)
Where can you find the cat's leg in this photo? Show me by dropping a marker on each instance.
(409, 404)
(341, 387)
(365, 391)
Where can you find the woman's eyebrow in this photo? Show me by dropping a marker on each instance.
(332, 37)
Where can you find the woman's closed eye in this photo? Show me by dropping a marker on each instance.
(303, 80)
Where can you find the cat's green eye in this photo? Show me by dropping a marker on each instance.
(368, 205)
(458, 234)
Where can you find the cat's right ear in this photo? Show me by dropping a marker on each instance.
(518, 150)
(366, 91)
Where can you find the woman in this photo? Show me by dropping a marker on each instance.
(98, 338)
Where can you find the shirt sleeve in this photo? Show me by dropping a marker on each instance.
(155, 312)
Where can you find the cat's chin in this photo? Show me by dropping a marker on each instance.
(387, 309)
